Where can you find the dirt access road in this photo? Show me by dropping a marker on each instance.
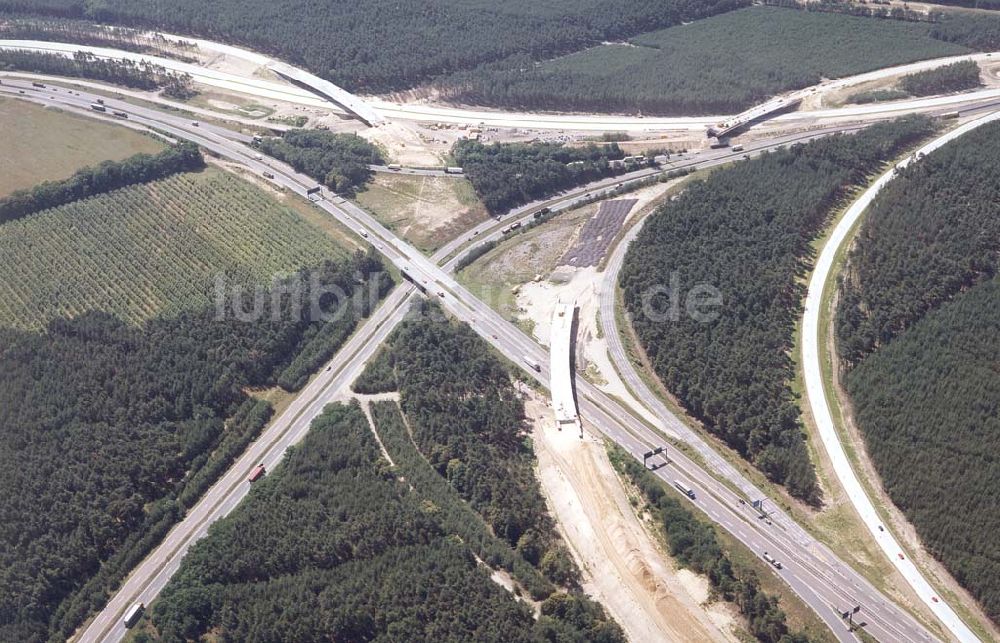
(623, 566)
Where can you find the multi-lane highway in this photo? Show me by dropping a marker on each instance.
(825, 583)
(376, 111)
(815, 387)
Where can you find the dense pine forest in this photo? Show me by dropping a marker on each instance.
(381, 45)
(917, 330)
(373, 551)
(932, 232)
(464, 449)
(746, 231)
(108, 432)
(929, 407)
(506, 175)
(689, 69)
(329, 547)
(468, 421)
(338, 161)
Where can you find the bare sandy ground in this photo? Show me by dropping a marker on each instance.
(537, 301)
(623, 566)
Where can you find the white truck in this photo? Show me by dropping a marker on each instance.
(133, 614)
(769, 558)
(535, 366)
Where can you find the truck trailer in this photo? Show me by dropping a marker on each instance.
(133, 614)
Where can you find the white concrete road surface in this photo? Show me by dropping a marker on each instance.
(376, 111)
(811, 570)
(820, 406)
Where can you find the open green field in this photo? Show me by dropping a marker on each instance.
(717, 65)
(44, 144)
(151, 249)
(427, 211)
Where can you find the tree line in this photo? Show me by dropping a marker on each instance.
(506, 175)
(109, 432)
(128, 73)
(333, 546)
(109, 175)
(746, 233)
(685, 70)
(338, 161)
(82, 32)
(931, 233)
(955, 77)
(693, 544)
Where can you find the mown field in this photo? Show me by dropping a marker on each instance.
(42, 144)
(713, 66)
(151, 249)
(427, 211)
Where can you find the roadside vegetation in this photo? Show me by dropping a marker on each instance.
(338, 161)
(464, 448)
(383, 45)
(695, 545)
(362, 557)
(109, 432)
(746, 232)
(151, 249)
(690, 69)
(51, 144)
(87, 32)
(506, 175)
(468, 421)
(108, 176)
(917, 328)
(955, 77)
(127, 73)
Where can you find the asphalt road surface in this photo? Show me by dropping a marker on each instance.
(809, 568)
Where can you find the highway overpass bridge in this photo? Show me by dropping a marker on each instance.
(759, 112)
(561, 367)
